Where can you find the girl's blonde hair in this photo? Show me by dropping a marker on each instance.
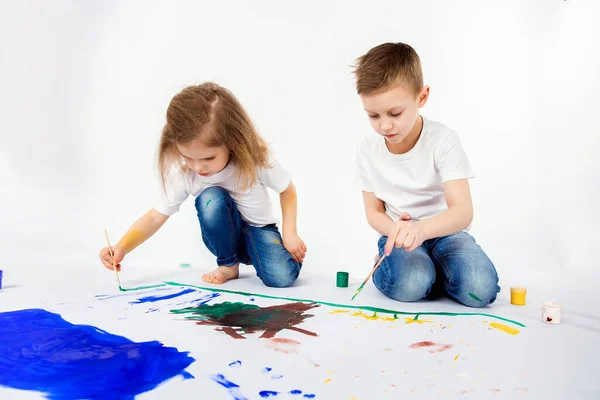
(213, 113)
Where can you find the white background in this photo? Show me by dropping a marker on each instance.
(84, 87)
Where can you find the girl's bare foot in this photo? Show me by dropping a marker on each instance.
(222, 274)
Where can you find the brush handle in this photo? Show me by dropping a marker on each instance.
(368, 276)
(110, 250)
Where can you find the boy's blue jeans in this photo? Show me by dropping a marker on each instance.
(232, 240)
(453, 264)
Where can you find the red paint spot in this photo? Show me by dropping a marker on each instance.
(549, 319)
(282, 345)
(421, 344)
(443, 348)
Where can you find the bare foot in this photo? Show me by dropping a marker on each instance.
(222, 274)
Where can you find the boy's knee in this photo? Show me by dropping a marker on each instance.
(407, 284)
(477, 291)
(211, 203)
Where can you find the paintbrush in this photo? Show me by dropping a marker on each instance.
(113, 258)
(368, 277)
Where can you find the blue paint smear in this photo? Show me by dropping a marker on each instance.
(206, 299)
(267, 369)
(268, 393)
(232, 388)
(310, 396)
(236, 364)
(296, 391)
(112, 296)
(40, 351)
(251, 298)
(151, 310)
(276, 377)
(152, 299)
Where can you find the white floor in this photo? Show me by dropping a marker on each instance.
(352, 357)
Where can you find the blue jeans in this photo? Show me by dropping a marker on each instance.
(454, 265)
(233, 241)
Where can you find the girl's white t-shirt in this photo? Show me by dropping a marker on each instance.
(253, 204)
(413, 182)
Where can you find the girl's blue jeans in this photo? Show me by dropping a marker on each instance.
(232, 240)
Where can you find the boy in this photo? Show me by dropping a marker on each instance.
(414, 177)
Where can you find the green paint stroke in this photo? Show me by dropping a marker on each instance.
(325, 303)
(475, 297)
(214, 311)
(141, 287)
(208, 202)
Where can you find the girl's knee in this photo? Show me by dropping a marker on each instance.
(211, 203)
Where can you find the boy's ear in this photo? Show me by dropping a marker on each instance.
(423, 96)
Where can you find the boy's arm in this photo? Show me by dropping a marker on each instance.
(376, 216)
(291, 240)
(458, 216)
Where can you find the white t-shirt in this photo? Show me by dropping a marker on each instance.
(254, 204)
(413, 182)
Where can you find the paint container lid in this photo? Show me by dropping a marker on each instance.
(518, 289)
(342, 279)
(550, 305)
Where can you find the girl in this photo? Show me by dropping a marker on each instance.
(210, 149)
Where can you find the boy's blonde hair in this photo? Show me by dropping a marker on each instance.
(213, 113)
(386, 66)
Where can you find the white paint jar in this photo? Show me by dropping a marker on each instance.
(551, 312)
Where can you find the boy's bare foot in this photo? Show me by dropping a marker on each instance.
(222, 274)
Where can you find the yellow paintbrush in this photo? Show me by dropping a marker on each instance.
(368, 277)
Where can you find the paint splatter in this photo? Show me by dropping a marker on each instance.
(295, 392)
(40, 351)
(309, 396)
(208, 202)
(327, 380)
(475, 297)
(236, 364)
(275, 241)
(232, 388)
(495, 390)
(267, 393)
(456, 358)
(441, 347)
(236, 319)
(421, 344)
(152, 299)
(504, 328)
(267, 369)
(204, 299)
(275, 377)
(282, 345)
(418, 321)
(152, 310)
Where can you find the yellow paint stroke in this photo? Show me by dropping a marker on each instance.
(327, 381)
(418, 321)
(352, 398)
(338, 311)
(131, 239)
(275, 241)
(456, 358)
(504, 328)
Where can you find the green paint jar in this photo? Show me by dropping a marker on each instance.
(342, 279)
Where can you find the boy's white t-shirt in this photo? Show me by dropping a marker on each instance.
(253, 204)
(413, 182)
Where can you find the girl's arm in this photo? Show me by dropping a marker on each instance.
(291, 240)
(140, 231)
